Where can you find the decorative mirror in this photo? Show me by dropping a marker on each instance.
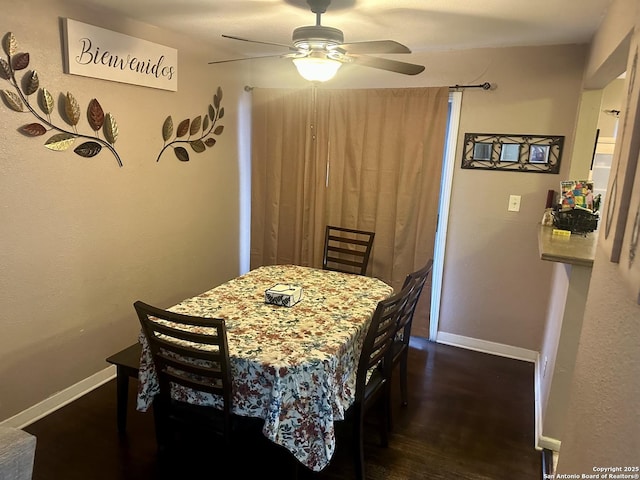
(520, 153)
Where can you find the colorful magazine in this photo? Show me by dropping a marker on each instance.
(576, 193)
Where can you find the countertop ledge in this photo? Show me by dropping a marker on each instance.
(574, 250)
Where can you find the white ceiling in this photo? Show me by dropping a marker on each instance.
(422, 25)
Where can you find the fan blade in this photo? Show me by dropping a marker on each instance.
(387, 64)
(244, 58)
(290, 47)
(376, 46)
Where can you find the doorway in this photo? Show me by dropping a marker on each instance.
(448, 161)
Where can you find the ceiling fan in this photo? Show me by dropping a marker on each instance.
(319, 51)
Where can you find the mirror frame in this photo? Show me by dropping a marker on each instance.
(516, 153)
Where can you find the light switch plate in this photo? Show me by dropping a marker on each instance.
(514, 203)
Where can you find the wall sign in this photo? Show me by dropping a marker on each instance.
(99, 53)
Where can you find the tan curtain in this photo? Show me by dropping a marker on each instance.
(283, 177)
(384, 150)
(367, 159)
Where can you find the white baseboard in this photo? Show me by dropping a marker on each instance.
(542, 442)
(549, 443)
(485, 346)
(60, 399)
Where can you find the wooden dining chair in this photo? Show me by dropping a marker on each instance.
(373, 377)
(347, 250)
(400, 347)
(190, 352)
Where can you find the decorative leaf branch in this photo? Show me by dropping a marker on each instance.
(65, 138)
(203, 127)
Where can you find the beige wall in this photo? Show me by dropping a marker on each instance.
(551, 373)
(567, 303)
(82, 239)
(601, 427)
(603, 415)
(610, 44)
(491, 252)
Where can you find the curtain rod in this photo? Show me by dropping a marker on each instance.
(484, 86)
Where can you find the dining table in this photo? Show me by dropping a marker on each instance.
(292, 366)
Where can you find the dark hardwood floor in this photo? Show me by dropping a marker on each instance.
(470, 417)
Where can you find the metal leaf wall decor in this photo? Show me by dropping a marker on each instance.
(62, 138)
(202, 131)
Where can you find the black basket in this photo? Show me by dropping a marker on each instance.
(575, 220)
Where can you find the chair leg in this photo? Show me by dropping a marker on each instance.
(295, 470)
(122, 385)
(358, 445)
(389, 416)
(403, 378)
(161, 427)
(384, 420)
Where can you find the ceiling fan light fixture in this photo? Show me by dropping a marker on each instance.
(318, 51)
(317, 68)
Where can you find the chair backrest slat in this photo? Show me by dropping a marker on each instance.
(347, 249)
(379, 338)
(420, 278)
(197, 358)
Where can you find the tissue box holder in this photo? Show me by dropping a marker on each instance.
(283, 294)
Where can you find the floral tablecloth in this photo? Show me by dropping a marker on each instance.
(293, 366)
